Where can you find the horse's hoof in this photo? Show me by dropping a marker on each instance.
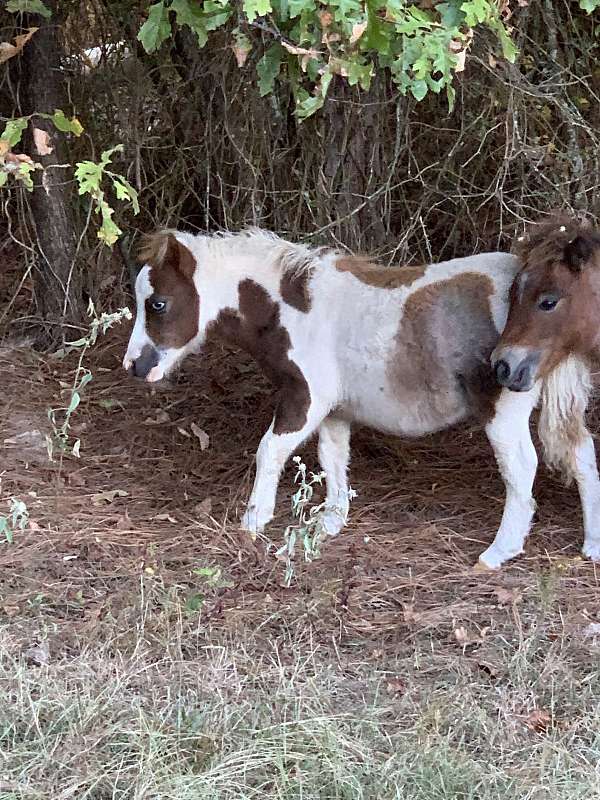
(332, 523)
(592, 551)
(251, 523)
(481, 567)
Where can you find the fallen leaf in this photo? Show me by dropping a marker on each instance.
(593, 629)
(123, 523)
(33, 526)
(508, 596)
(538, 720)
(8, 50)
(19, 158)
(4, 147)
(164, 518)
(325, 18)
(461, 636)
(461, 58)
(396, 685)
(300, 51)
(38, 655)
(357, 31)
(41, 140)
(201, 435)
(161, 418)
(204, 507)
(183, 432)
(241, 51)
(100, 498)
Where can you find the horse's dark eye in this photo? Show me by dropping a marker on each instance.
(158, 306)
(548, 303)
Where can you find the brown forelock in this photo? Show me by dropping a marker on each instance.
(257, 328)
(572, 327)
(376, 275)
(543, 244)
(443, 347)
(172, 268)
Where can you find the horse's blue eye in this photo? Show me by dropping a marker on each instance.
(158, 305)
(548, 303)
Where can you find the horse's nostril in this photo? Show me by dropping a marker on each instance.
(502, 371)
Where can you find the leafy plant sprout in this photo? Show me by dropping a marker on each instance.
(309, 528)
(16, 519)
(60, 418)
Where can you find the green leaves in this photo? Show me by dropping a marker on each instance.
(589, 5)
(256, 8)
(62, 123)
(476, 11)
(13, 130)
(28, 7)
(125, 191)
(308, 41)
(190, 14)
(268, 68)
(156, 28)
(89, 177)
(199, 17)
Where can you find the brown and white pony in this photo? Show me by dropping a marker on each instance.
(403, 350)
(548, 347)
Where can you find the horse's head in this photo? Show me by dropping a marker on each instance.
(554, 303)
(167, 320)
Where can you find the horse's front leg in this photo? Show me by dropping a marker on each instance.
(271, 456)
(510, 437)
(586, 475)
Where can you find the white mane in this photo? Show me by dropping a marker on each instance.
(285, 257)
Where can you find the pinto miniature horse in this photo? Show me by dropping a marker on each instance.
(403, 350)
(547, 349)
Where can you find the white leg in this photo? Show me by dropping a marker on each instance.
(588, 484)
(273, 451)
(510, 438)
(334, 455)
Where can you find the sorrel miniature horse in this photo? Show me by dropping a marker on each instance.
(550, 342)
(403, 350)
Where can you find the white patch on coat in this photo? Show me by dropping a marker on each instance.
(139, 337)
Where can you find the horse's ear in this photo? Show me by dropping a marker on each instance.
(180, 257)
(578, 252)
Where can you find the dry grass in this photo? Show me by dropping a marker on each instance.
(132, 668)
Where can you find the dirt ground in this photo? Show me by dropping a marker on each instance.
(144, 498)
(145, 515)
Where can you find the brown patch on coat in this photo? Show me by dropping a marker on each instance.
(376, 275)
(294, 290)
(172, 267)
(257, 329)
(443, 348)
(560, 259)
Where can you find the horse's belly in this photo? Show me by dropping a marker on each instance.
(415, 413)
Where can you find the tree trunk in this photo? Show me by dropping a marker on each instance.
(43, 89)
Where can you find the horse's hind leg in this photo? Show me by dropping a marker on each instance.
(510, 437)
(334, 455)
(586, 475)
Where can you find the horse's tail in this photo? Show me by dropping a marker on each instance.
(564, 399)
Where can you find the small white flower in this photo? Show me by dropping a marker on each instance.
(562, 229)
